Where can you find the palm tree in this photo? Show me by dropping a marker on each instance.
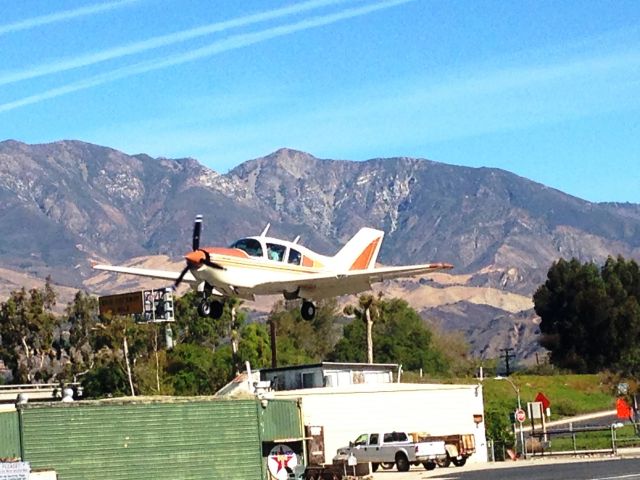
(367, 310)
(234, 304)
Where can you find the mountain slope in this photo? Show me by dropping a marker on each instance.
(65, 203)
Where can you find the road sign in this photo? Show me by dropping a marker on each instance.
(521, 416)
(148, 306)
(542, 398)
(121, 304)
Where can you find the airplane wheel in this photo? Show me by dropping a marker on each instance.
(204, 308)
(216, 309)
(308, 310)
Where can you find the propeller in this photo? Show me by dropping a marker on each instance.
(198, 255)
(197, 228)
(181, 276)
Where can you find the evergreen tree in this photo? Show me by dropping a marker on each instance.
(27, 327)
(590, 316)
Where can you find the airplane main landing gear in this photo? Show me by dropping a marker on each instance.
(308, 310)
(204, 308)
(210, 309)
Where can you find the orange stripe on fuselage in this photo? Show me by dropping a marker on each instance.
(229, 252)
(363, 260)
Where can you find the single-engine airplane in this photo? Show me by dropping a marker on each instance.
(265, 266)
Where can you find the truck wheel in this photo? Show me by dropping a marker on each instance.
(445, 462)
(402, 462)
(429, 465)
(459, 462)
(374, 466)
(387, 465)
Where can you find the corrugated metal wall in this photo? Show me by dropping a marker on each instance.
(9, 435)
(281, 419)
(187, 440)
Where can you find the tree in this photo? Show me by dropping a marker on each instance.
(454, 349)
(590, 316)
(27, 326)
(302, 341)
(195, 370)
(192, 328)
(255, 346)
(367, 311)
(399, 336)
(82, 317)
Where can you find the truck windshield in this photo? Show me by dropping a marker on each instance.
(362, 439)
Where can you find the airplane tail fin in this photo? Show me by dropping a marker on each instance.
(361, 252)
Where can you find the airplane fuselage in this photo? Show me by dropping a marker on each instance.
(232, 278)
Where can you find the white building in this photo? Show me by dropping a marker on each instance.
(344, 412)
(328, 374)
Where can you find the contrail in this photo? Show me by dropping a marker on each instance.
(62, 16)
(231, 43)
(159, 41)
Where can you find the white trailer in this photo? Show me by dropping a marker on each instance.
(345, 412)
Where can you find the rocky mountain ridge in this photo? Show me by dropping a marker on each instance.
(66, 203)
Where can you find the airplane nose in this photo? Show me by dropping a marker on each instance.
(196, 257)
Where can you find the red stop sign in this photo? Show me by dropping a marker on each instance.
(521, 416)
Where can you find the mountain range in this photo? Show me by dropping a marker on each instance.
(65, 204)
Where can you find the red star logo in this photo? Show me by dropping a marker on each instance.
(283, 459)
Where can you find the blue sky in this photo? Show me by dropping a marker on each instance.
(549, 90)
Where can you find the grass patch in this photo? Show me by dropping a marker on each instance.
(569, 394)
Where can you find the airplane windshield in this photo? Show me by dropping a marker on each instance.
(249, 245)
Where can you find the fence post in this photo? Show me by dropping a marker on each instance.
(614, 449)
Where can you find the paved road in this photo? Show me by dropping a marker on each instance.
(594, 469)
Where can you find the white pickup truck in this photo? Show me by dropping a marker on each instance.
(391, 448)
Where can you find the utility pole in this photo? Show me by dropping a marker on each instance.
(507, 357)
(272, 330)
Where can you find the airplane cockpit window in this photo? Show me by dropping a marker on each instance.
(295, 257)
(275, 252)
(249, 245)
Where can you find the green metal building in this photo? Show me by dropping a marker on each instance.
(198, 438)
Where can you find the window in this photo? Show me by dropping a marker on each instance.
(373, 439)
(399, 437)
(307, 380)
(295, 257)
(249, 245)
(395, 437)
(362, 439)
(275, 252)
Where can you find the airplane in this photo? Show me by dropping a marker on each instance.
(262, 265)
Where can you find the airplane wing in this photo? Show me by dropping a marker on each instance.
(148, 272)
(323, 285)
